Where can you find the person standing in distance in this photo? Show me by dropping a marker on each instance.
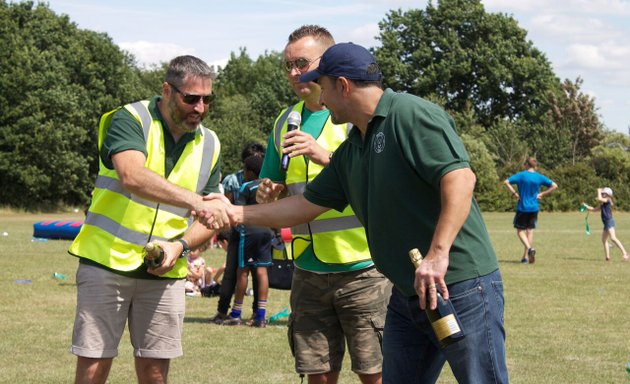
(337, 295)
(156, 162)
(529, 182)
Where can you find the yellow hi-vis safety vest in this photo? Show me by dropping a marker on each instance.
(119, 224)
(336, 237)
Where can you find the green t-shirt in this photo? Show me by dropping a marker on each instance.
(391, 179)
(313, 124)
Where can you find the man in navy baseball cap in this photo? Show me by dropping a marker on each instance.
(347, 60)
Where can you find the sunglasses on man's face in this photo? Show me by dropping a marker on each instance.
(193, 99)
(300, 64)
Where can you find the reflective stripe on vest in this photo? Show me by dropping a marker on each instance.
(337, 237)
(119, 223)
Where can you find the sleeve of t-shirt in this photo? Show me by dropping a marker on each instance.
(271, 164)
(325, 189)
(429, 141)
(230, 183)
(546, 181)
(514, 179)
(124, 133)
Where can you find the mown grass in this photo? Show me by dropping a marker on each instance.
(566, 316)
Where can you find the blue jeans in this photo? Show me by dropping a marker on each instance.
(411, 353)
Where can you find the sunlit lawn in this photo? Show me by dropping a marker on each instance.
(567, 316)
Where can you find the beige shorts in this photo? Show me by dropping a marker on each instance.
(330, 310)
(154, 310)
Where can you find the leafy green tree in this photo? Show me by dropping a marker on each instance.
(489, 192)
(56, 81)
(464, 55)
(250, 95)
(574, 116)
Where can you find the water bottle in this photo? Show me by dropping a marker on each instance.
(58, 275)
(279, 315)
(153, 255)
(443, 319)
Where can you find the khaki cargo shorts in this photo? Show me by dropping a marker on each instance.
(330, 310)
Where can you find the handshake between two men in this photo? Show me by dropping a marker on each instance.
(217, 212)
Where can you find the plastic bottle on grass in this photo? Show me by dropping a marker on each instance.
(279, 315)
(58, 275)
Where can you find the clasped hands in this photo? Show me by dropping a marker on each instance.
(218, 212)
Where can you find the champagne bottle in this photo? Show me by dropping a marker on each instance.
(153, 255)
(443, 319)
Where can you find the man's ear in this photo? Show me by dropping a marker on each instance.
(345, 85)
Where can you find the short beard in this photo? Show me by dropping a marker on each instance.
(178, 120)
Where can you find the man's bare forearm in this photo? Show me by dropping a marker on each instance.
(282, 213)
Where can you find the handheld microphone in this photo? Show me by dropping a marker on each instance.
(293, 121)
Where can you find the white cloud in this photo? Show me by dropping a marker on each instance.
(364, 35)
(148, 53)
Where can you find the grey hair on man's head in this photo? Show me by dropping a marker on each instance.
(184, 66)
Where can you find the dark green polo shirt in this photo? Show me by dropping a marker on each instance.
(391, 179)
(125, 133)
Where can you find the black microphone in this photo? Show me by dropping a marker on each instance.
(293, 121)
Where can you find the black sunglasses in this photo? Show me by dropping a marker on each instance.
(300, 64)
(193, 99)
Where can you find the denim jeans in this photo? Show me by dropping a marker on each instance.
(411, 353)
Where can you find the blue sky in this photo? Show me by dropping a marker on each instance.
(586, 38)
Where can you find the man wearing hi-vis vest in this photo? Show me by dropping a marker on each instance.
(337, 295)
(156, 162)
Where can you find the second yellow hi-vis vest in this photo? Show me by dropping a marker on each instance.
(119, 224)
(337, 237)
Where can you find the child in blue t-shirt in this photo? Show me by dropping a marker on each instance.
(604, 196)
(254, 251)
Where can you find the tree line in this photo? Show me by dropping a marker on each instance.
(57, 80)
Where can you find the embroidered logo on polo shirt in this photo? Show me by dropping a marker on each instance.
(379, 142)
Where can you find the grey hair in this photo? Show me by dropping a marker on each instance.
(182, 67)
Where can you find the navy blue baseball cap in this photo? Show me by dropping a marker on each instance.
(344, 60)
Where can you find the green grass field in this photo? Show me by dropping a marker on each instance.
(567, 316)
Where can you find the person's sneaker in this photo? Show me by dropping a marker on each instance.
(218, 318)
(531, 254)
(232, 321)
(524, 260)
(259, 323)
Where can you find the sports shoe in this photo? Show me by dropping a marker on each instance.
(218, 318)
(524, 261)
(259, 323)
(531, 254)
(232, 321)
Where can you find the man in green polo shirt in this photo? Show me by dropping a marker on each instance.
(407, 176)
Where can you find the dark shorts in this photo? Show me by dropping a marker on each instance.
(525, 220)
(254, 248)
(610, 223)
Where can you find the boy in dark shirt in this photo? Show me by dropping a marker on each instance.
(254, 250)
